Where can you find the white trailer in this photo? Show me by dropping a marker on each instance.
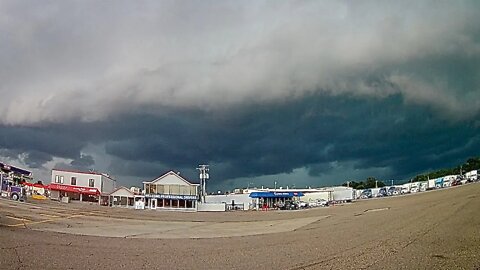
(431, 184)
(232, 201)
(472, 175)
(375, 192)
(319, 195)
(343, 194)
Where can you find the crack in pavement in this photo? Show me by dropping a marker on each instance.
(20, 266)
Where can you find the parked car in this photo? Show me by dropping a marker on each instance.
(303, 204)
(366, 194)
(322, 203)
(312, 204)
(382, 192)
(289, 205)
(456, 182)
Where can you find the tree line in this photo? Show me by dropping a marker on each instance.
(370, 182)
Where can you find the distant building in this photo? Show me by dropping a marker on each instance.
(136, 190)
(80, 185)
(171, 192)
(121, 197)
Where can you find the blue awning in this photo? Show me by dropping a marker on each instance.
(9, 168)
(271, 194)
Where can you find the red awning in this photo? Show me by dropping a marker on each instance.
(33, 185)
(75, 189)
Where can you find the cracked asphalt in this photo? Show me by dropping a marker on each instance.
(430, 230)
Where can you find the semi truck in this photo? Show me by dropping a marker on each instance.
(12, 191)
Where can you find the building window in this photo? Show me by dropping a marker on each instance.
(59, 179)
(91, 182)
(73, 181)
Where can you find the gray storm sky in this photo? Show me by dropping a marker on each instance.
(138, 87)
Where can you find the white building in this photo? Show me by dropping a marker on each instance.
(171, 192)
(80, 185)
(122, 197)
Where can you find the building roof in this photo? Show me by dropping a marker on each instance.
(170, 173)
(122, 188)
(83, 172)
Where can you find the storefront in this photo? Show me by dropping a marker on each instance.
(171, 192)
(167, 201)
(80, 185)
(271, 199)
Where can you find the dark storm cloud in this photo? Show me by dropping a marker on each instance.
(142, 170)
(311, 132)
(81, 163)
(320, 133)
(39, 144)
(35, 159)
(84, 161)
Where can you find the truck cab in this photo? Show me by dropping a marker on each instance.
(12, 191)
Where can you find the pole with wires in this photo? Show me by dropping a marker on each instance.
(204, 176)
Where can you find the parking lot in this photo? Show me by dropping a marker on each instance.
(431, 230)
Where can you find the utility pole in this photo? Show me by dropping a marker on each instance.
(204, 176)
(376, 183)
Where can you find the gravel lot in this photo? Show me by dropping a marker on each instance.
(430, 230)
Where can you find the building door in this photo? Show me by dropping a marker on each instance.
(153, 204)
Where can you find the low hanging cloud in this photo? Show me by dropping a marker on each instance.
(86, 61)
